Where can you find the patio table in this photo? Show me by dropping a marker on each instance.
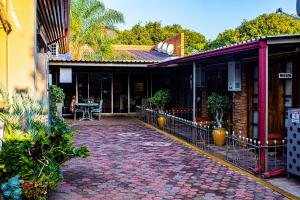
(86, 107)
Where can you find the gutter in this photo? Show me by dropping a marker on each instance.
(217, 52)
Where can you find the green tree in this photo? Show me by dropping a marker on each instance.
(227, 37)
(269, 24)
(153, 33)
(92, 25)
(263, 25)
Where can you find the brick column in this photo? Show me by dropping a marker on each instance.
(240, 107)
(204, 105)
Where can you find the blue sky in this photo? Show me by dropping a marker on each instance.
(208, 17)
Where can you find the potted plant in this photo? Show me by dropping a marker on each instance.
(158, 101)
(57, 97)
(219, 105)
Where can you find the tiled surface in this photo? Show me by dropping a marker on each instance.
(131, 161)
(291, 185)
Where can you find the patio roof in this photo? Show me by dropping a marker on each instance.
(106, 63)
(233, 48)
(54, 16)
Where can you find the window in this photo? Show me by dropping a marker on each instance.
(54, 50)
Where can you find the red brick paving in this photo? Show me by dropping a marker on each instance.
(131, 161)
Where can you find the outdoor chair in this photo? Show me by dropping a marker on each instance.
(78, 110)
(98, 110)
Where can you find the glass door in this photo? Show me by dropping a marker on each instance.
(138, 90)
(120, 93)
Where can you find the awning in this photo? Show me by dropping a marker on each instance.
(54, 16)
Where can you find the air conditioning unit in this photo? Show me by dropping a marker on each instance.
(200, 77)
(234, 76)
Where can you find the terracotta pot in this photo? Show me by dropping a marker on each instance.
(219, 136)
(161, 121)
(1, 105)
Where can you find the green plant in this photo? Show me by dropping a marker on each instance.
(218, 106)
(160, 99)
(34, 150)
(12, 188)
(56, 96)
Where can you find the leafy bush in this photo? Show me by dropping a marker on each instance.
(33, 150)
(56, 96)
(160, 99)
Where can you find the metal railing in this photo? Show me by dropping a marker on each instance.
(242, 152)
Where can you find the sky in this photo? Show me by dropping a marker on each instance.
(209, 17)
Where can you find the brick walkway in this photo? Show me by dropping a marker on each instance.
(131, 161)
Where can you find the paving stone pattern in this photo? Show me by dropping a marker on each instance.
(132, 161)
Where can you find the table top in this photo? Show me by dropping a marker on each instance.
(87, 104)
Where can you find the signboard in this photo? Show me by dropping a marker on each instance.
(139, 87)
(295, 117)
(65, 75)
(285, 75)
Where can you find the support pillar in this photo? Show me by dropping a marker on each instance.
(263, 100)
(194, 92)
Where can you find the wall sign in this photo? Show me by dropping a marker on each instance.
(65, 75)
(285, 75)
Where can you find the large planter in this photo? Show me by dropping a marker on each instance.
(161, 121)
(219, 136)
(59, 107)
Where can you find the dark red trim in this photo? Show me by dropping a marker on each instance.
(262, 98)
(217, 52)
(61, 38)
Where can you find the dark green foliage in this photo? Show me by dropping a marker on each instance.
(160, 99)
(263, 25)
(57, 95)
(153, 33)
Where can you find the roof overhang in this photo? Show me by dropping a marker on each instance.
(234, 48)
(54, 17)
(121, 63)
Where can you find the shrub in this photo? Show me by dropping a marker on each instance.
(34, 151)
(56, 96)
(160, 99)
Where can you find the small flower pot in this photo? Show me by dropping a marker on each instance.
(161, 121)
(219, 136)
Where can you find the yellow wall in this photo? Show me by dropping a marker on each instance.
(17, 49)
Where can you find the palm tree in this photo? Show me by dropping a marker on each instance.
(92, 26)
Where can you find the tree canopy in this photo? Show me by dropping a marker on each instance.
(153, 32)
(263, 25)
(92, 26)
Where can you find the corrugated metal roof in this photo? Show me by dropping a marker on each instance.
(105, 61)
(240, 46)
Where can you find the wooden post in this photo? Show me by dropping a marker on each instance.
(263, 99)
(194, 92)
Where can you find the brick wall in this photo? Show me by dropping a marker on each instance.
(204, 105)
(240, 107)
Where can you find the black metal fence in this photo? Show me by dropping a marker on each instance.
(243, 152)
